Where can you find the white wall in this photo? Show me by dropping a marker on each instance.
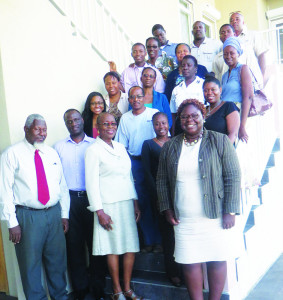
(45, 68)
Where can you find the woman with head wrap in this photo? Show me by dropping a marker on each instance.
(237, 82)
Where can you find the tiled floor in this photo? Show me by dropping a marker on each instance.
(271, 285)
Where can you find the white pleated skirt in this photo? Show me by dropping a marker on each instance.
(123, 237)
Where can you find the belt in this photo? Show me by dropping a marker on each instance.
(78, 193)
(31, 208)
(136, 157)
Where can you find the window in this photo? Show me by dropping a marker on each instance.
(186, 20)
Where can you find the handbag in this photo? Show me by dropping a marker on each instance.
(260, 103)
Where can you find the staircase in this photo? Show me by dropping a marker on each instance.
(92, 20)
(149, 280)
(262, 246)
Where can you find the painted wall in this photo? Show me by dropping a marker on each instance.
(44, 68)
(139, 17)
(272, 4)
(253, 10)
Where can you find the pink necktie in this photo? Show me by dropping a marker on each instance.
(42, 187)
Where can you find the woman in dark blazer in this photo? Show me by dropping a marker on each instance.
(198, 186)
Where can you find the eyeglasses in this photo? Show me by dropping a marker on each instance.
(107, 124)
(133, 97)
(187, 117)
(149, 47)
(150, 76)
(97, 103)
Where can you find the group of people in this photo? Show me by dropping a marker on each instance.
(158, 151)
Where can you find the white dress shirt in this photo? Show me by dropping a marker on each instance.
(134, 130)
(182, 92)
(19, 183)
(108, 174)
(206, 52)
(123, 104)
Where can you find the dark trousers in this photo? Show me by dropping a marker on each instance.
(172, 268)
(79, 236)
(148, 224)
(42, 241)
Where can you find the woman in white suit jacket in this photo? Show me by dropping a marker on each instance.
(112, 196)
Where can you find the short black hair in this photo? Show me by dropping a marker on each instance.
(136, 86)
(138, 44)
(180, 44)
(112, 74)
(153, 38)
(156, 27)
(69, 110)
(229, 25)
(192, 58)
(149, 68)
(159, 113)
(210, 77)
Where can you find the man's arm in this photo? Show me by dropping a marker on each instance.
(7, 206)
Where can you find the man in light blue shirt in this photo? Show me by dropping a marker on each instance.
(72, 152)
(159, 32)
(135, 127)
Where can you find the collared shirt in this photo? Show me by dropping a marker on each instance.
(254, 45)
(169, 48)
(134, 130)
(182, 92)
(19, 183)
(131, 76)
(108, 174)
(123, 104)
(206, 52)
(72, 159)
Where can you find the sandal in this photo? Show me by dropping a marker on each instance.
(130, 294)
(118, 296)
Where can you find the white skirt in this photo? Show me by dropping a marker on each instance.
(123, 237)
(197, 238)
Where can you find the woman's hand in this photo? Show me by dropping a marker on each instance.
(104, 220)
(228, 221)
(170, 217)
(137, 210)
(243, 136)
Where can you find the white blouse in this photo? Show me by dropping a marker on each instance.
(108, 174)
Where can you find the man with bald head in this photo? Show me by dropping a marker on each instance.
(34, 201)
(203, 48)
(71, 151)
(253, 44)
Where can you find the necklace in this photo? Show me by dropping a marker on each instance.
(160, 142)
(188, 143)
(212, 110)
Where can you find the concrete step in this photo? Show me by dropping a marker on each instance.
(153, 262)
(155, 286)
